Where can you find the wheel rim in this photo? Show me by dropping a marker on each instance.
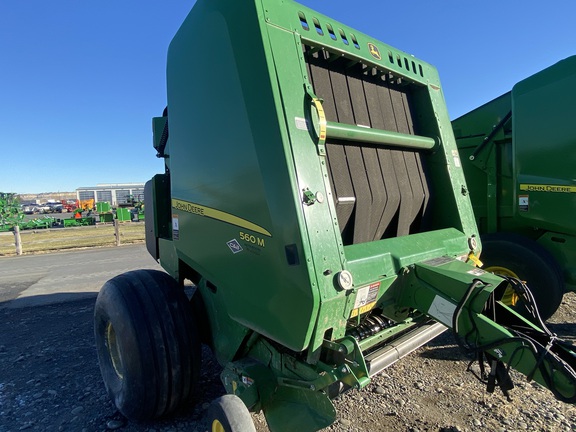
(217, 426)
(509, 298)
(114, 350)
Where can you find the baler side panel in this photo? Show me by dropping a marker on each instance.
(489, 172)
(544, 141)
(237, 169)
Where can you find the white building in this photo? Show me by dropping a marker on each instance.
(114, 193)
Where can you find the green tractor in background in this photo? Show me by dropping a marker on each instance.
(314, 195)
(518, 153)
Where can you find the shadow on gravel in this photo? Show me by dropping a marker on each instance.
(444, 347)
(50, 378)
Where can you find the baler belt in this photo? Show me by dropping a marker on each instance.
(378, 192)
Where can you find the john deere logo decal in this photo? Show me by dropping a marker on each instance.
(374, 51)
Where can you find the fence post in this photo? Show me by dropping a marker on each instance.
(117, 232)
(17, 240)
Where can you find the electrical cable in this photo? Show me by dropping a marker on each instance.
(546, 360)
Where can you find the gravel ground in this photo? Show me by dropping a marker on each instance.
(50, 381)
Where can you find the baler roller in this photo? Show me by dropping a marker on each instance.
(365, 134)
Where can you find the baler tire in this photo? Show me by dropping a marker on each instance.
(147, 343)
(531, 263)
(229, 414)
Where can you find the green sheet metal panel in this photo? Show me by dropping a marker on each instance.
(231, 183)
(123, 214)
(487, 161)
(103, 207)
(544, 134)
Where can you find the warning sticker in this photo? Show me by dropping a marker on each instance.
(456, 158)
(175, 227)
(365, 299)
(523, 203)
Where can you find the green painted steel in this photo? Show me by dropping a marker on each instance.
(374, 136)
(105, 217)
(83, 221)
(518, 153)
(103, 207)
(314, 194)
(123, 214)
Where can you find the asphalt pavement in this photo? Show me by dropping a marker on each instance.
(34, 280)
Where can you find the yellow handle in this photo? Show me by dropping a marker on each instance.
(321, 118)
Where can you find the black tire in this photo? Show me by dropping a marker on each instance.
(531, 263)
(229, 414)
(147, 343)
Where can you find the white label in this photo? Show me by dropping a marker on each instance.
(456, 157)
(301, 123)
(442, 311)
(175, 227)
(361, 297)
(476, 272)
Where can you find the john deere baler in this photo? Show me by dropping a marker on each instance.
(314, 195)
(518, 153)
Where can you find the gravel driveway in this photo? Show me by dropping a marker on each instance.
(50, 381)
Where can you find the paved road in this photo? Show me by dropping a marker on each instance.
(49, 374)
(33, 280)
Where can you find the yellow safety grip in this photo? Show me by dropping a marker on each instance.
(475, 260)
(321, 118)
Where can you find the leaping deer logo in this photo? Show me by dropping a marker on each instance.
(374, 51)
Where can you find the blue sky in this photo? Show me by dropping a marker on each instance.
(80, 80)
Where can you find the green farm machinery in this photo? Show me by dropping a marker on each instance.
(12, 215)
(314, 196)
(518, 154)
(10, 212)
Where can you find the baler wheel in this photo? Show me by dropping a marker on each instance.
(229, 414)
(147, 343)
(520, 257)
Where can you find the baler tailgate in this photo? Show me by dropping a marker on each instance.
(379, 192)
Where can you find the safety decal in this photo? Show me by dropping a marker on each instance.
(523, 203)
(456, 158)
(234, 246)
(374, 51)
(212, 213)
(547, 188)
(175, 227)
(247, 381)
(365, 299)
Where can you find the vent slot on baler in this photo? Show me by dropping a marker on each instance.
(379, 192)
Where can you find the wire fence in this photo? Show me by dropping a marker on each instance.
(57, 239)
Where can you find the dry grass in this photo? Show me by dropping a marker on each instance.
(46, 240)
